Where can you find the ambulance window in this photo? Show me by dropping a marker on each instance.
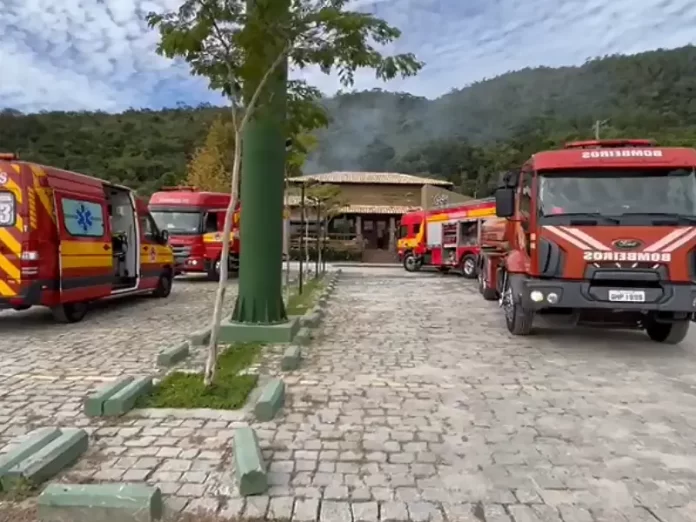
(403, 230)
(149, 228)
(8, 214)
(83, 218)
(416, 228)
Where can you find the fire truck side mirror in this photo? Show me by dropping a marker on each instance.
(164, 236)
(505, 202)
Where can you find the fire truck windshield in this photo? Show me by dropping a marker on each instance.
(178, 222)
(624, 193)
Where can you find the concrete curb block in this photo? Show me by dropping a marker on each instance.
(270, 401)
(94, 403)
(248, 463)
(310, 319)
(303, 337)
(200, 337)
(172, 355)
(28, 445)
(100, 503)
(291, 358)
(49, 460)
(124, 400)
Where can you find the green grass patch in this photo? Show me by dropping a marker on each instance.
(229, 390)
(20, 490)
(298, 304)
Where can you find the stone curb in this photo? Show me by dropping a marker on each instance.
(100, 503)
(47, 460)
(28, 445)
(270, 401)
(291, 358)
(94, 403)
(248, 463)
(174, 354)
(200, 337)
(303, 337)
(124, 400)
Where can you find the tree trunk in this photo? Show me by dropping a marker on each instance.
(211, 360)
(260, 296)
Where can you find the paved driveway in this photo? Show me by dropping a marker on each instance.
(47, 368)
(417, 404)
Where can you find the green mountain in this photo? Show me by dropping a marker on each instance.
(464, 136)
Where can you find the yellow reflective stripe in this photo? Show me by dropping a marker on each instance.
(10, 242)
(11, 270)
(5, 290)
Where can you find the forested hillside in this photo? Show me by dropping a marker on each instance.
(463, 136)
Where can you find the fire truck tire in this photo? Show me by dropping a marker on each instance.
(468, 266)
(668, 333)
(164, 286)
(411, 263)
(519, 321)
(69, 312)
(489, 294)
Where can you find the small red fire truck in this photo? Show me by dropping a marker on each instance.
(444, 238)
(195, 221)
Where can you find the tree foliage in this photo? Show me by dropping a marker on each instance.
(211, 166)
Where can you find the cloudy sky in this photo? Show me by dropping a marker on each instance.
(99, 55)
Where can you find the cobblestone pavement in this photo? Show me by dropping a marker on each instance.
(414, 403)
(46, 368)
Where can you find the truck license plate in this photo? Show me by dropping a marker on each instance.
(627, 296)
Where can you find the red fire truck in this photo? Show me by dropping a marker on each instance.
(444, 238)
(601, 232)
(195, 221)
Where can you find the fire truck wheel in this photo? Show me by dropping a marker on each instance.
(69, 312)
(489, 294)
(468, 266)
(164, 286)
(411, 263)
(668, 333)
(519, 321)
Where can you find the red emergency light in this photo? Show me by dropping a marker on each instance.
(609, 144)
(8, 156)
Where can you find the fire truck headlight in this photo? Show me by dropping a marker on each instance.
(536, 296)
(552, 298)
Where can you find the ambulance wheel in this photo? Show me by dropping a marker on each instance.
(667, 333)
(164, 286)
(69, 312)
(468, 266)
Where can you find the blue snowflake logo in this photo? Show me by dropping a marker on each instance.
(84, 218)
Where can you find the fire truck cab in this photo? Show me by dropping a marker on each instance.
(600, 232)
(195, 222)
(67, 240)
(445, 238)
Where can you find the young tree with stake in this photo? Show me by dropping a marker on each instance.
(244, 48)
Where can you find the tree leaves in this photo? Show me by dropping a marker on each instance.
(220, 41)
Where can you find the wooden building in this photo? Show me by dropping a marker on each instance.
(372, 206)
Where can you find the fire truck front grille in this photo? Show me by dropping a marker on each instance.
(181, 253)
(626, 265)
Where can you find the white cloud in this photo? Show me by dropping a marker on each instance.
(99, 54)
